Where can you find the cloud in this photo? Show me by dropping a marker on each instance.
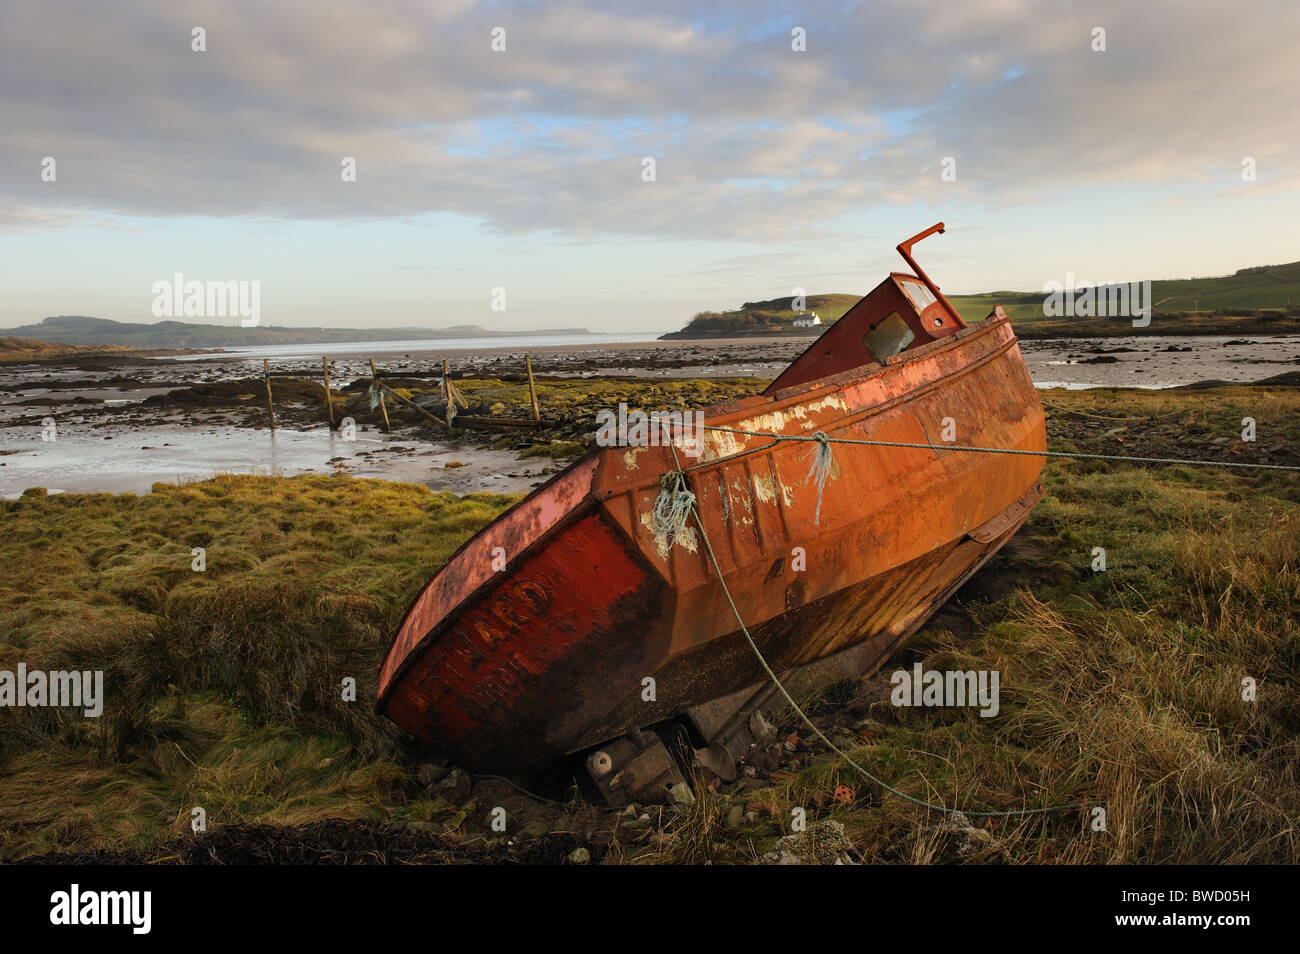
(751, 140)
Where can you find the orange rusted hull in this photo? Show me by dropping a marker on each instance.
(509, 668)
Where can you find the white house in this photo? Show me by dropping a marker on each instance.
(808, 319)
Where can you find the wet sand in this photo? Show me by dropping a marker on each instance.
(108, 439)
(84, 460)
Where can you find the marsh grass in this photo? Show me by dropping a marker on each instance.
(569, 405)
(1120, 689)
(224, 687)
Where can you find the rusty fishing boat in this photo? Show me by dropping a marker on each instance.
(576, 624)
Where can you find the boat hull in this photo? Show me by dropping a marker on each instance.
(569, 621)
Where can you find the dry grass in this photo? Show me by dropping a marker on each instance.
(1121, 688)
(224, 687)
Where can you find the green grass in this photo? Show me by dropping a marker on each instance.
(1190, 305)
(1120, 688)
(224, 686)
(772, 316)
(1249, 290)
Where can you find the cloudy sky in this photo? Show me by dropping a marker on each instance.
(774, 168)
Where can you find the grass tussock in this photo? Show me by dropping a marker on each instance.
(224, 688)
(1127, 690)
(1121, 690)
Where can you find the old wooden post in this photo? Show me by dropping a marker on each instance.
(532, 388)
(329, 401)
(379, 393)
(449, 390)
(270, 407)
(431, 417)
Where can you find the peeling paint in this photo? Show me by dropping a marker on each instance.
(685, 537)
(743, 495)
(719, 444)
(629, 458)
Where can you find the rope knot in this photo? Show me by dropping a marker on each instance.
(822, 459)
(672, 507)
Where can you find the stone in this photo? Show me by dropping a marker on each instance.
(455, 786)
(681, 794)
(430, 774)
(824, 843)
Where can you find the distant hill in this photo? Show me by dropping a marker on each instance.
(101, 332)
(761, 318)
(1266, 293)
(27, 349)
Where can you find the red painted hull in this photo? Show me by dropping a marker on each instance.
(510, 668)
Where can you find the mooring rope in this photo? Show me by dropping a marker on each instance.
(676, 501)
(824, 439)
(681, 499)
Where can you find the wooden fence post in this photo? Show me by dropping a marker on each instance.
(270, 407)
(329, 401)
(379, 392)
(532, 388)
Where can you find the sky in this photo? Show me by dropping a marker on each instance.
(523, 169)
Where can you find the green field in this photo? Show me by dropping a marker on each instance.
(1267, 295)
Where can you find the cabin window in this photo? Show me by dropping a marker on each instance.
(889, 336)
(921, 296)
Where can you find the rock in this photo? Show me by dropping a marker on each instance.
(535, 829)
(768, 760)
(455, 786)
(681, 794)
(430, 774)
(824, 843)
(843, 739)
(759, 727)
(968, 836)
(579, 856)
(735, 816)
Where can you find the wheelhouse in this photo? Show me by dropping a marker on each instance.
(901, 313)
